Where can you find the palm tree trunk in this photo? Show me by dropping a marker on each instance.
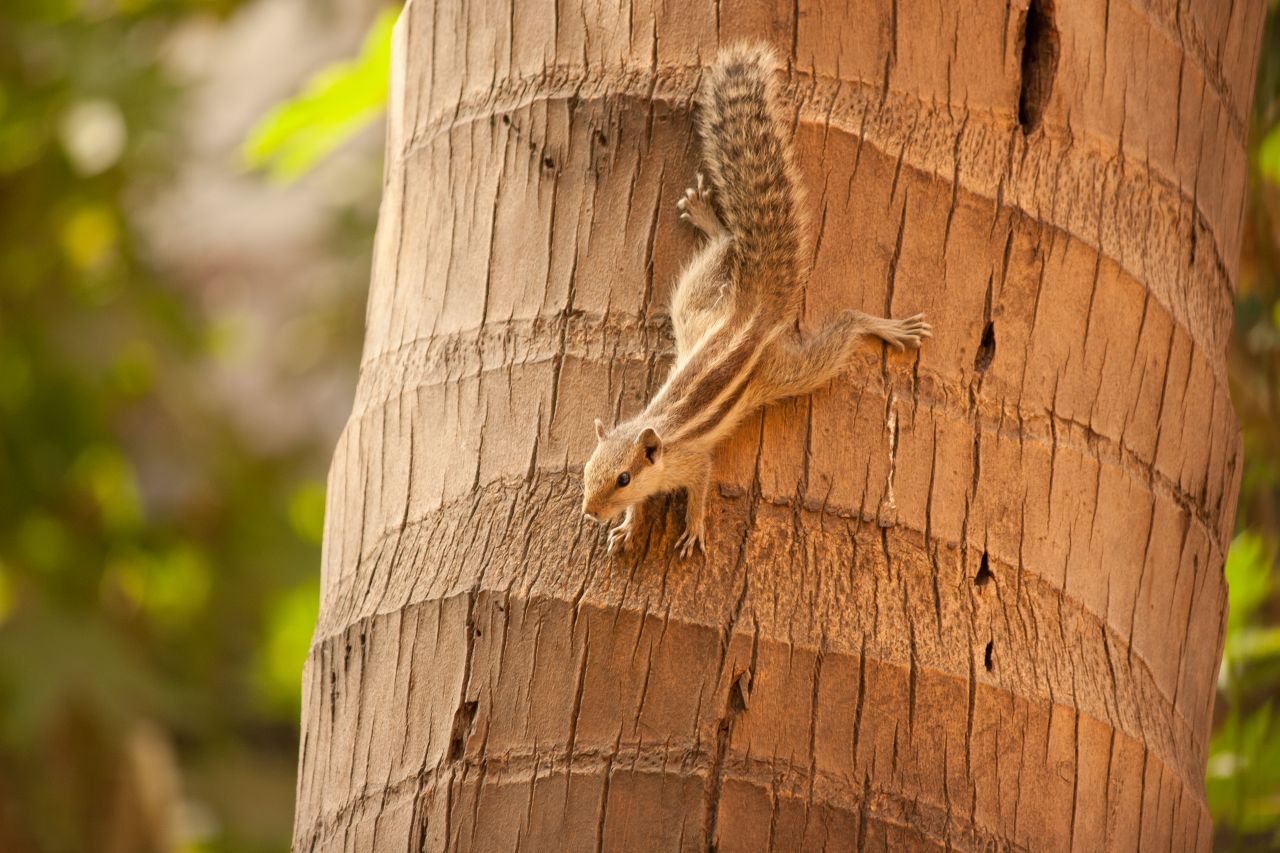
(964, 599)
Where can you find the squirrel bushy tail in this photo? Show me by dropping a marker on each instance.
(748, 154)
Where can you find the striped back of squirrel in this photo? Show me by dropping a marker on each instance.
(748, 154)
(712, 390)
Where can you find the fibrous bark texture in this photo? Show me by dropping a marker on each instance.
(967, 598)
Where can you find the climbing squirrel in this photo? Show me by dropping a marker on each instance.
(734, 309)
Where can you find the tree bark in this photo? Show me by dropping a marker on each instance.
(966, 598)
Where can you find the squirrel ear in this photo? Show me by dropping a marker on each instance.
(599, 429)
(651, 443)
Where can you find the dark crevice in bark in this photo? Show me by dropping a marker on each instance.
(723, 730)
(984, 575)
(987, 343)
(1039, 64)
(740, 694)
(462, 720)
(986, 348)
(986, 655)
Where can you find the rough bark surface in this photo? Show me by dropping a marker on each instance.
(969, 598)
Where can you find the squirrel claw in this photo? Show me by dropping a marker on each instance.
(619, 537)
(689, 541)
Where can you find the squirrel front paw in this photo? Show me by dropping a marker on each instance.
(695, 208)
(690, 541)
(620, 537)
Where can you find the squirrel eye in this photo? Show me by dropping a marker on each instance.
(623, 479)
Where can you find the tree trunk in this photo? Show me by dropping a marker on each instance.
(967, 598)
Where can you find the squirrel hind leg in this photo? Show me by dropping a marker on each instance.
(798, 365)
(699, 300)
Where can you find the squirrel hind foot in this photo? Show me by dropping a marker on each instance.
(901, 334)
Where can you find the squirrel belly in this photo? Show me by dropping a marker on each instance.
(733, 310)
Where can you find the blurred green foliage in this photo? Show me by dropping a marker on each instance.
(337, 103)
(1243, 777)
(158, 573)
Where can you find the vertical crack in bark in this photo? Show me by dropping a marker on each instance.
(971, 698)
(736, 702)
(816, 681)
(604, 792)
(929, 546)
(464, 716)
(1039, 56)
(888, 511)
(955, 180)
(1075, 788)
(986, 348)
(724, 727)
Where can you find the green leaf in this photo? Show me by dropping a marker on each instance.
(1248, 573)
(335, 104)
(1269, 155)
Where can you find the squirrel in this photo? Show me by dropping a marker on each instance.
(734, 309)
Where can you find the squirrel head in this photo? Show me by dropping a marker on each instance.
(624, 469)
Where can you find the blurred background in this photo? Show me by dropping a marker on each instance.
(188, 192)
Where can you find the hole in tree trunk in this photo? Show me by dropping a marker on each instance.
(462, 720)
(986, 349)
(1039, 64)
(740, 693)
(984, 575)
(986, 657)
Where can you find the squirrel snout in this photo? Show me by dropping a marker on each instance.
(596, 510)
